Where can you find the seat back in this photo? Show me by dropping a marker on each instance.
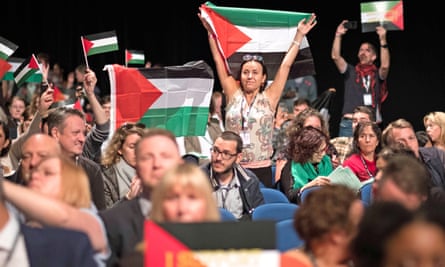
(272, 195)
(227, 216)
(366, 193)
(274, 211)
(286, 236)
(307, 191)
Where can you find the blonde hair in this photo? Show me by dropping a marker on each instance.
(74, 186)
(111, 155)
(437, 117)
(186, 175)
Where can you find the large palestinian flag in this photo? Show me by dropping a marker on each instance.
(176, 98)
(385, 13)
(211, 244)
(269, 33)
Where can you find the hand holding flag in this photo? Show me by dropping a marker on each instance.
(241, 31)
(382, 13)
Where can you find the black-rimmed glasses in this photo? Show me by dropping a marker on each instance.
(130, 125)
(249, 57)
(224, 154)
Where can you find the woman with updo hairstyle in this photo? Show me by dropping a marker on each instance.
(119, 162)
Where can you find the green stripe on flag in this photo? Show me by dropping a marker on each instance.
(103, 49)
(137, 59)
(182, 121)
(101, 42)
(7, 48)
(379, 6)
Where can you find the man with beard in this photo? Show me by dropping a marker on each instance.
(235, 188)
(364, 83)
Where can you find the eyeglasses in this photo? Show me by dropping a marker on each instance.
(249, 57)
(224, 154)
(322, 150)
(131, 125)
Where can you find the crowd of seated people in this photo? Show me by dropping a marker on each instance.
(63, 172)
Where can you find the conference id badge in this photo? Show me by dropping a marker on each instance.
(367, 99)
(245, 136)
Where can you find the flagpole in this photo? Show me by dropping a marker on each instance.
(45, 79)
(84, 52)
(126, 62)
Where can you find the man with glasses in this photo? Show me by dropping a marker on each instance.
(235, 188)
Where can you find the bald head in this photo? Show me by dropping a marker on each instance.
(35, 148)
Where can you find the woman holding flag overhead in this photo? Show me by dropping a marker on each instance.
(251, 104)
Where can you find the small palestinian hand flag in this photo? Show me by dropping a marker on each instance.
(26, 70)
(134, 57)
(7, 48)
(269, 33)
(99, 43)
(15, 63)
(385, 13)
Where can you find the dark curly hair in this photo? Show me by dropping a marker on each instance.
(305, 142)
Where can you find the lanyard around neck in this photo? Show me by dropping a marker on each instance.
(366, 166)
(244, 120)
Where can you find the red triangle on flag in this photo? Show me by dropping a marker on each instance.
(134, 94)
(33, 63)
(87, 44)
(128, 56)
(4, 67)
(224, 30)
(395, 15)
(58, 95)
(77, 105)
(163, 249)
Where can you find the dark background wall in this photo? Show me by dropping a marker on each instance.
(170, 33)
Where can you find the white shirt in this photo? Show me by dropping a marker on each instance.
(12, 242)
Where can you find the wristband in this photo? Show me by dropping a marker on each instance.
(296, 43)
(384, 46)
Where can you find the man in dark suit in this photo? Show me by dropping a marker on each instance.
(22, 245)
(156, 152)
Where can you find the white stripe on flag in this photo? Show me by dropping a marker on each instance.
(269, 40)
(137, 57)
(183, 92)
(22, 73)
(104, 42)
(6, 50)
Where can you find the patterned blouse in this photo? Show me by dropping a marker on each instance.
(258, 121)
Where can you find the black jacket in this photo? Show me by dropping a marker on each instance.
(249, 190)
